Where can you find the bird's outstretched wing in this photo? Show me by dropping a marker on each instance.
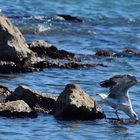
(107, 83)
(115, 86)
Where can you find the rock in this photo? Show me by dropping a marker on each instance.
(13, 46)
(129, 52)
(55, 64)
(70, 18)
(74, 104)
(17, 109)
(8, 67)
(4, 92)
(43, 49)
(37, 101)
(104, 53)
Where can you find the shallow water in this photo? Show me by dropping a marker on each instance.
(113, 25)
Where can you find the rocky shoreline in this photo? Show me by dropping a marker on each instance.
(72, 104)
(18, 56)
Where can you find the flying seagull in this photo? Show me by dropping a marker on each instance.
(118, 97)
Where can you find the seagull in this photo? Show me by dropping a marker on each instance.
(118, 97)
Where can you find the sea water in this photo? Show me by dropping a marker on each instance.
(107, 24)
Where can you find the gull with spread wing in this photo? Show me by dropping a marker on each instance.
(118, 97)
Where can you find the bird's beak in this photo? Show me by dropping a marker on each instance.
(137, 119)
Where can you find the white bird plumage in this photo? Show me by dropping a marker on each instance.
(118, 97)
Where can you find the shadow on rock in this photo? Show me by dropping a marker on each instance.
(8, 67)
(44, 49)
(39, 102)
(74, 104)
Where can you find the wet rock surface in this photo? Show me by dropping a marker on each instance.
(43, 48)
(8, 67)
(55, 64)
(74, 104)
(127, 52)
(18, 109)
(37, 101)
(70, 18)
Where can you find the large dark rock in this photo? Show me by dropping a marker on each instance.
(43, 49)
(8, 67)
(18, 109)
(38, 101)
(74, 104)
(13, 46)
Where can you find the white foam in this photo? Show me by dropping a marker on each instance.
(42, 28)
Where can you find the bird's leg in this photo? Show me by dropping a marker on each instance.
(105, 118)
(116, 112)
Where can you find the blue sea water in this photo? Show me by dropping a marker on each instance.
(107, 24)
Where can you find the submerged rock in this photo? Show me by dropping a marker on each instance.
(13, 46)
(104, 53)
(18, 109)
(74, 104)
(127, 52)
(70, 18)
(43, 49)
(130, 52)
(38, 101)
